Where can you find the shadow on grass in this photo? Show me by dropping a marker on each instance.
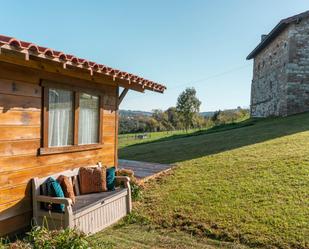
(178, 148)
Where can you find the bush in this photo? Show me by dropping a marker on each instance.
(135, 191)
(135, 187)
(42, 238)
(3, 244)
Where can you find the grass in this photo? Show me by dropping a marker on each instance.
(155, 137)
(247, 183)
(142, 237)
(129, 139)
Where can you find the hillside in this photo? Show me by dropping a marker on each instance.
(134, 113)
(207, 114)
(131, 113)
(247, 185)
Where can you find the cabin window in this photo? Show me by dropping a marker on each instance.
(72, 119)
(60, 117)
(88, 125)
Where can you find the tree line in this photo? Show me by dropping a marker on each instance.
(184, 116)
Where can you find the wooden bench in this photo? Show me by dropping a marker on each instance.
(91, 212)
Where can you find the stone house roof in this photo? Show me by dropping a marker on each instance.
(275, 32)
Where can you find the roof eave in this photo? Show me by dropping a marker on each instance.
(29, 55)
(276, 30)
(33, 62)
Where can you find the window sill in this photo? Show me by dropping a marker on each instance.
(67, 149)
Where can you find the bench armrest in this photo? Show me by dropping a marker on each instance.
(126, 182)
(55, 200)
(122, 178)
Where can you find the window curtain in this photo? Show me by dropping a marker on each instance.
(88, 128)
(60, 128)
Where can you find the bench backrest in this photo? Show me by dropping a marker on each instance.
(72, 174)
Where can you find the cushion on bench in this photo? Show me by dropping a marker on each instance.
(92, 180)
(83, 202)
(110, 178)
(67, 187)
(54, 189)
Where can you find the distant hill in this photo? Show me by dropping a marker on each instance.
(207, 114)
(132, 113)
(210, 114)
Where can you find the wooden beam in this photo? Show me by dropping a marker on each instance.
(101, 116)
(45, 116)
(122, 95)
(76, 117)
(116, 128)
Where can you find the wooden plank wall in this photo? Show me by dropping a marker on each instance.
(20, 139)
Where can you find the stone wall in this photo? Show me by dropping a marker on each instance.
(280, 84)
(268, 89)
(298, 68)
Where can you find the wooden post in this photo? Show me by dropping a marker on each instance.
(76, 117)
(45, 116)
(116, 127)
(101, 118)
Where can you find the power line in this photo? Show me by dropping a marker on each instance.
(212, 77)
(191, 83)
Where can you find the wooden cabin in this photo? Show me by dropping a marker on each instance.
(57, 112)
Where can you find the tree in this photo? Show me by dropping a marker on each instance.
(187, 106)
(162, 119)
(215, 116)
(173, 118)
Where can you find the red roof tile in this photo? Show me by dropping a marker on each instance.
(48, 53)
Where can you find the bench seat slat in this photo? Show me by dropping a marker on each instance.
(87, 201)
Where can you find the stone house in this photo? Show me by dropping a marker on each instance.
(280, 84)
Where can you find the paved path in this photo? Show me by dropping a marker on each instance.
(144, 170)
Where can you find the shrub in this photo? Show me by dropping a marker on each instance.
(135, 191)
(42, 238)
(135, 186)
(3, 244)
(135, 218)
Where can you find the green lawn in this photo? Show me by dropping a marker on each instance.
(248, 184)
(145, 237)
(129, 139)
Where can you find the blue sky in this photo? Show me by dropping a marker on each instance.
(180, 43)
